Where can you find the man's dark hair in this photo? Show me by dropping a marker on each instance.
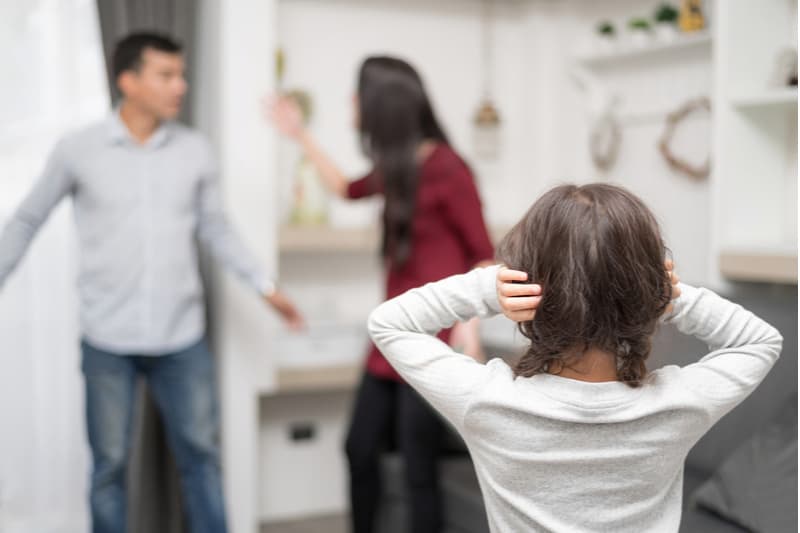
(129, 50)
(597, 252)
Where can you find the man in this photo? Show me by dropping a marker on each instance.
(145, 190)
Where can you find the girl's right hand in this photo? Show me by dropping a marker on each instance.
(675, 290)
(518, 301)
(285, 115)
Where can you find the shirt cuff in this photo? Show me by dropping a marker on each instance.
(488, 288)
(266, 287)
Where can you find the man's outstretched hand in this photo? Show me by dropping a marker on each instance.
(286, 309)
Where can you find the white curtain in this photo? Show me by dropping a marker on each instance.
(53, 81)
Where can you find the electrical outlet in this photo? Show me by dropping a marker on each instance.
(302, 431)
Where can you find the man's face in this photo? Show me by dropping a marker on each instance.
(158, 86)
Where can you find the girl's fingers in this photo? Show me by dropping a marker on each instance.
(507, 275)
(521, 316)
(520, 303)
(676, 291)
(517, 289)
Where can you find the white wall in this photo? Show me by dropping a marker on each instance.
(442, 40)
(649, 88)
(545, 127)
(235, 38)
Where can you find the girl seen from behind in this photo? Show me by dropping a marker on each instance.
(579, 435)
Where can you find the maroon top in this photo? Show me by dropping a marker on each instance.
(448, 234)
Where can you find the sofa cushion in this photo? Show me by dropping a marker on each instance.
(756, 486)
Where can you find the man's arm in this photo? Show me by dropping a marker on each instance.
(215, 232)
(54, 183)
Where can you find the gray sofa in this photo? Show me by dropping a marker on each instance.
(463, 506)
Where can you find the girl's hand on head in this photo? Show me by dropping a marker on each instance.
(284, 113)
(517, 300)
(675, 290)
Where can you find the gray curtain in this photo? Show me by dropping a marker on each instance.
(176, 18)
(154, 504)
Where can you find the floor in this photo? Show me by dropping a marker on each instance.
(321, 524)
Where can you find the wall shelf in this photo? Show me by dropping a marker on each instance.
(322, 239)
(318, 379)
(767, 98)
(775, 266)
(700, 41)
(325, 239)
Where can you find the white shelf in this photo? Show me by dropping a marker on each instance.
(780, 97)
(766, 265)
(324, 239)
(700, 41)
(344, 377)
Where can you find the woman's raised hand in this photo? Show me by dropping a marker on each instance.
(284, 113)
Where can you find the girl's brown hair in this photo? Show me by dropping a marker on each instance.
(597, 252)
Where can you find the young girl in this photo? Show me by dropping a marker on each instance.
(579, 436)
(432, 228)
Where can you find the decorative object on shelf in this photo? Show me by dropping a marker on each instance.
(639, 30)
(605, 133)
(310, 205)
(606, 36)
(784, 70)
(280, 68)
(605, 138)
(691, 17)
(673, 120)
(487, 122)
(666, 18)
(310, 202)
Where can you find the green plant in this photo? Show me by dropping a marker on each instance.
(606, 29)
(666, 13)
(639, 24)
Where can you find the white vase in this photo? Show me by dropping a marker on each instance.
(639, 38)
(666, 32)
(605, 44)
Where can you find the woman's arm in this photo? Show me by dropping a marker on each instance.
(285, 114)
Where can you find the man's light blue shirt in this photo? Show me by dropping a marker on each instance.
(139, 209)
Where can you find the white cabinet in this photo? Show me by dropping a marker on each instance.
(755, 147)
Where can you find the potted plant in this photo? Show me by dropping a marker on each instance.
(639, 31)
(666, 17)
(607, 35)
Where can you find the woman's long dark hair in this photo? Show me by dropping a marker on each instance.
(598, 254)
(395, 116)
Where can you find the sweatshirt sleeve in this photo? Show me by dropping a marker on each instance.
(743, 348)
(403, 328)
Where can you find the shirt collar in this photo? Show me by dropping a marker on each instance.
(118, 133)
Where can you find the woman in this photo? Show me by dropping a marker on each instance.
(578, 436)
(432, 228)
